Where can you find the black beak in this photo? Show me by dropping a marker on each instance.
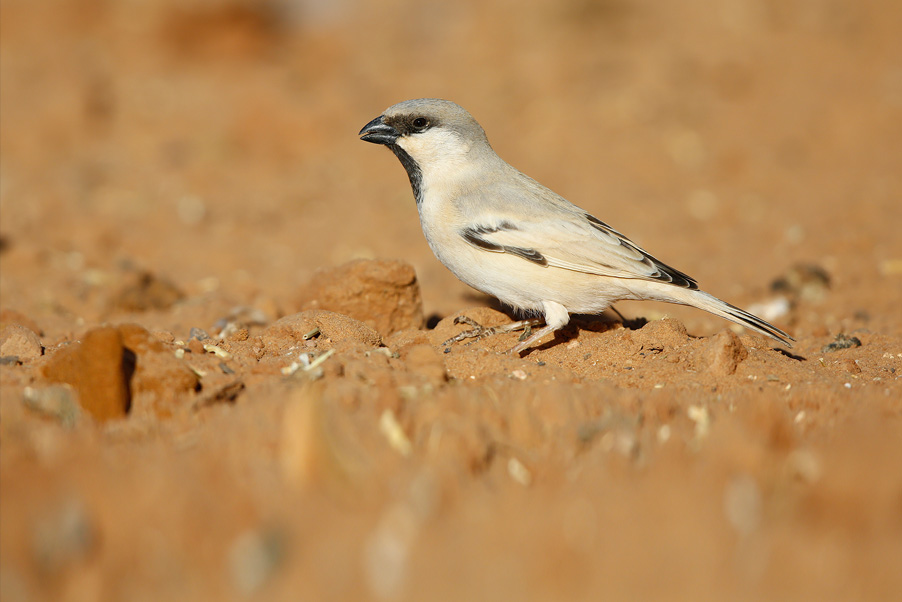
(378, 132)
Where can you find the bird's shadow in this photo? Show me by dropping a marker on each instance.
(585, 319)
(586, 322)
(792, 356)
(590, 322)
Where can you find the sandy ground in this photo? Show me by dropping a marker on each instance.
(222, 372)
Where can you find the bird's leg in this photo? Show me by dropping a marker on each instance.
(478, 331)
(619, 315)
(523, 344)
(633, 323)
(556, 317)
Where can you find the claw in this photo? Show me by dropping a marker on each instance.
(478, 331)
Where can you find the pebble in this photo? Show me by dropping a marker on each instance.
(57, 401)
(384, 294)
(143, 291)
(199, 334)
(21, 342)
(158, 370)
(97, 368)
(253, 558)
(63, 536)
(842, 341)
(702, 419)
(387, 551)
(518, 472)
(662, 334)
(394, 433)
(742, 502)
(723, 352)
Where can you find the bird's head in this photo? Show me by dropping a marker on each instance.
(430, 132)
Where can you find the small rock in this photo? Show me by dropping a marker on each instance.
(196, 347)
(804, 465)
(723, 353)
(662, 334)
(239, 319)
(254, 557)
(20, 341)
(702, 419)
(143, 291)
(519, 374)
(842, 341)
(56, 401)
(772, 309)
(387, 552)
(519, 472)
(850, 366)
(807, 282)
(742, 504)
(383, 294)
(394, 433)
(199, 334)
(157, 370)
(63, 536)
(99, 368)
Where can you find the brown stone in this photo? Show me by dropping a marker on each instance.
(723, 352)
(665, 334)
(99, 368)
(139, 340)
(157, 369)
(382, 294)
(144, 291)
(21, 342)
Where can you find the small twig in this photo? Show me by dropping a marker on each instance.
(316, 363)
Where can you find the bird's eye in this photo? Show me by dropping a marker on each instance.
(420, 123)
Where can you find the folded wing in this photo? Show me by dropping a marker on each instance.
(578, 242)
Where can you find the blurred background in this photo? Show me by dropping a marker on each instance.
(214, 141)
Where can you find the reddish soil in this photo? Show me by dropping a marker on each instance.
(202, 399)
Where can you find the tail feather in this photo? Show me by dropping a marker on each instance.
(712, 304)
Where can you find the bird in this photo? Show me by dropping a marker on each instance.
(508, 236)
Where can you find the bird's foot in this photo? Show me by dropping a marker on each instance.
(478, 331)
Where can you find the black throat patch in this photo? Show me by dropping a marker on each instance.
(413, 171)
